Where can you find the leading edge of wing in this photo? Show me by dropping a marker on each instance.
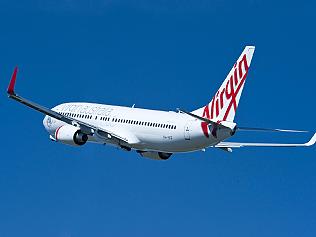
(246, 144)
(84, 127)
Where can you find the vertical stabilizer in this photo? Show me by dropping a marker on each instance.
(224, 103)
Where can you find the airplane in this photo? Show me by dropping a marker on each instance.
(152, 133)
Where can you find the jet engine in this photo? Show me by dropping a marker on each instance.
(155, 155)
(70, 135)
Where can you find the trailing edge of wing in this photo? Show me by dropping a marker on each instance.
(243, 144)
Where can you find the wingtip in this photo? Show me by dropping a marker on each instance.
(12, 81)
(311, 141)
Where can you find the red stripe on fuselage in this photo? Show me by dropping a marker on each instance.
(56, 133)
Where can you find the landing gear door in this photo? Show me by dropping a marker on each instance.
(187, 132)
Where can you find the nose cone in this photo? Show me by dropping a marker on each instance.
(48, 124)
(45, 122)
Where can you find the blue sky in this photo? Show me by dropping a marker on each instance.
(159, 55)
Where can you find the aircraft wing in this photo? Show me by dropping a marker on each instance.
(226, 145)
(84, 127)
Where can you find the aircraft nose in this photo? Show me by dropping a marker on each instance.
(45, 121)
(48, 124)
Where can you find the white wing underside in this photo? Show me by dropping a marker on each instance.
(246, 144)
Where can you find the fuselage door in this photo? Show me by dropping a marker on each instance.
(187, 135)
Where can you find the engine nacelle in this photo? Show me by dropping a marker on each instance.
(155, 155)
(70, 135)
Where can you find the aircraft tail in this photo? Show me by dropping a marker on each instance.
(224, 103)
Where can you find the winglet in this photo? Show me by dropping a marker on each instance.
(12, 82)
(311, 141)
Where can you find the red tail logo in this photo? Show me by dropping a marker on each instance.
(226, 94)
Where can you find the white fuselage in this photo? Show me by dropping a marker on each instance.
(156, 134)
(146, 130)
